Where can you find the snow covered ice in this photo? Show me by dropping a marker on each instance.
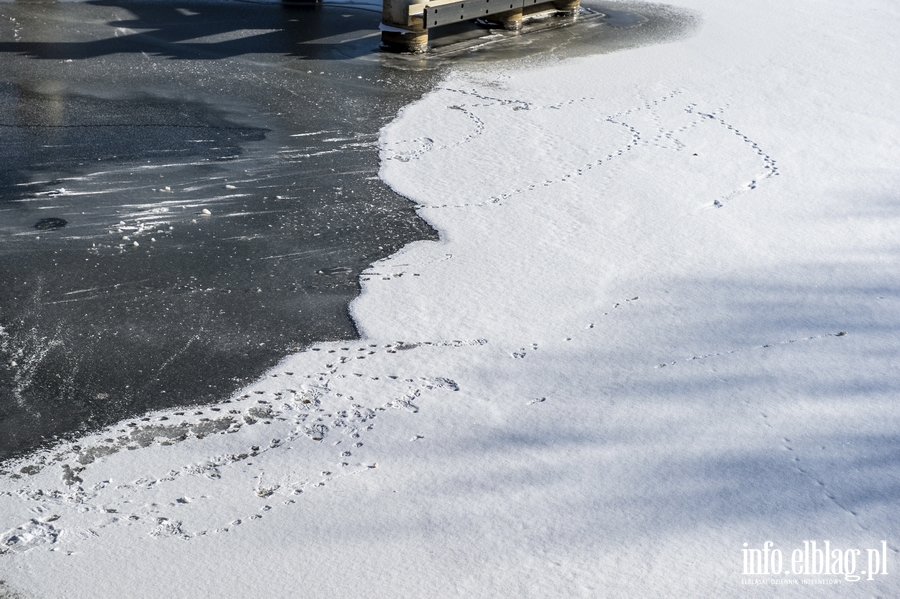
(659, 325)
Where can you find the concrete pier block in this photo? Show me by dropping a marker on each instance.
(405, 23)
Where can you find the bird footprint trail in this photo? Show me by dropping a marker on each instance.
(668, 123)
(728, 352)
(320, 421)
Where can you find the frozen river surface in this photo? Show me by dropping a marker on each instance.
(188, 193)
(657, 335)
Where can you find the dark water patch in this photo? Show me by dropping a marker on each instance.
(50, 224)
(205, 185)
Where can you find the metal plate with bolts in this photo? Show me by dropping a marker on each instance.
(454, 12)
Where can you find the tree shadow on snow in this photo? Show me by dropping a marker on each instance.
(772, 410)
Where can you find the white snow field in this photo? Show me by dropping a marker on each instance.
(660, 329)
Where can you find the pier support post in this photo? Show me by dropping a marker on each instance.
(401, 32)
(511, 20)
(414, 41)
(567, 7)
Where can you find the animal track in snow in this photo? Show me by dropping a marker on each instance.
(769, 166)
(833, 496)
(746, 349)
(305, 409)
(659, 131)
(29, 535)
(614, 119)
